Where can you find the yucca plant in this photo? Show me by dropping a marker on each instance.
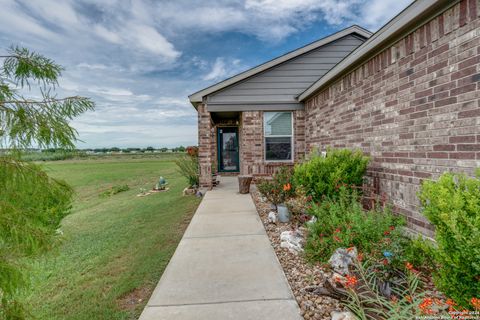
(402, 298)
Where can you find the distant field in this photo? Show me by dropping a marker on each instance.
(113, 249)
(81, 155)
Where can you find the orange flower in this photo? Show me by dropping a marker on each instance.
(475, 303)
(337, 239)
(392, 228)
(425, 306)
(450, 302)
(349, 249)
(410, 267)
(409, 299)
(351, 281)
(287, 187)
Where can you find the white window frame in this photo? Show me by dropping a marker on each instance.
(292, 137)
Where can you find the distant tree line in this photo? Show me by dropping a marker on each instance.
(135, 150)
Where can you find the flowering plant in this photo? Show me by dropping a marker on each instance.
(279, 188)
(404, 299)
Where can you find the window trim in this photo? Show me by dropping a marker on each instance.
(292, 137)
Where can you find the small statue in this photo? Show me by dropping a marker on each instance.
(161, 184)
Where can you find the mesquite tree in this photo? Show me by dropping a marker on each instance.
(32, 204)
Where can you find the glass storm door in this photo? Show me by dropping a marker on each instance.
(228, 149)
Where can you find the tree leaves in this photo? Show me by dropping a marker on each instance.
(32, 205)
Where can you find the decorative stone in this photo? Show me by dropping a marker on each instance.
(291, 240)
(272, 217)
(189, 191)
(342, 258)
(345, 315)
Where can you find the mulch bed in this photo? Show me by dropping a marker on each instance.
(299, 273)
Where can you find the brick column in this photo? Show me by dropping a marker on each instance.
(205, 142)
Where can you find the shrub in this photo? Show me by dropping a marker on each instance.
(344, 223)
(279, 188)
(189, 168)
(322, 176)
(452, 204)
(419, 253)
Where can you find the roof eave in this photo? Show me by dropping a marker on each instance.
(415, 12)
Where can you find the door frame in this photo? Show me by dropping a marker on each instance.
(219, 149)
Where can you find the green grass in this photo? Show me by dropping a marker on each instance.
(113, 249)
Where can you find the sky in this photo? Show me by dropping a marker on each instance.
(139, 59)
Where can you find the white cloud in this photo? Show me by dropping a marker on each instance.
(14, 21)
(375, 13)
(94, 66)
(221, 69)
(106, 34)
(147, 37)
(52, 10)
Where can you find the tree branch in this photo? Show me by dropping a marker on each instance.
(41, 102)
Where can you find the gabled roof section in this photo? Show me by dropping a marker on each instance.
(413, 16)
(197, 97)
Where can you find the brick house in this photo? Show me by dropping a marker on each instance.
(407, 95)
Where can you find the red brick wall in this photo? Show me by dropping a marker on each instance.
(252, 158)
(414, 108)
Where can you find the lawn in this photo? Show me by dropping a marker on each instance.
(113, 249)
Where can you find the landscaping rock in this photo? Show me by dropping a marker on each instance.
(272, 217)
(189, 191)
(344, 315)
(299, 273)
(292, 240)
(343, 258)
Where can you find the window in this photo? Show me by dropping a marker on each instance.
(278, 136)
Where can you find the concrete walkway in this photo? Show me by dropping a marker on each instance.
(224, 266)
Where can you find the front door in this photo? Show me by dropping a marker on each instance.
(228, 149)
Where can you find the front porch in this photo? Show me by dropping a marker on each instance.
(233, 142)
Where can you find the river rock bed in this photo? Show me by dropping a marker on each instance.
(299, 273)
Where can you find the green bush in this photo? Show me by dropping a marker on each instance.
(322, 176)
(452, 204)
(420, 253)
(189, 168)
(344, 223)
